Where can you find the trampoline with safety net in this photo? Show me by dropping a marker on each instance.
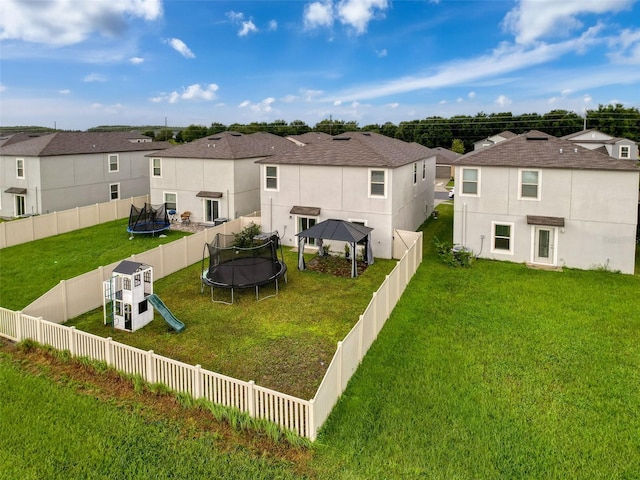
(150, 219)
(233, 267)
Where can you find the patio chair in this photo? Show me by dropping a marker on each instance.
(185, 217)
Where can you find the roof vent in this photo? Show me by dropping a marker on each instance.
(366, 134)
(236, 134)
(214, 138)
(342, 138)
(537, 138)
(560, 150)
(575, 150)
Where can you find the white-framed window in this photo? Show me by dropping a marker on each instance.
(502, 237)
(415, 173)
(625, 151)
(171, 199)
(114, 163)
(424, 169)
(529, 184)
(377, 183)
(20, 173)
(156, 167)
(114, 191)
(271, 177)
(470, 182)
(303, 224)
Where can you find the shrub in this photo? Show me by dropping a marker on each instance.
(454, 256)
(245, 237)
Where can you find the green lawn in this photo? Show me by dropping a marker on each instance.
(496, 371)
(29, 270)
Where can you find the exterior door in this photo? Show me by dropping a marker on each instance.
(211, 211)
(544, 245)
(303, 224)
(20, 205)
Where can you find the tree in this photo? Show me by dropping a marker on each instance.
(615, 120)
(193, 132)
(298, 127)
(164, 135)
(457, 146)
(216, 127)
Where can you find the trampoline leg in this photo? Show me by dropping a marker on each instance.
(257, 297)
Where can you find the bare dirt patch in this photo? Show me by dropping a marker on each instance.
(335, 265)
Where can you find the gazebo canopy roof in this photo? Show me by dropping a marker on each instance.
(336, 230)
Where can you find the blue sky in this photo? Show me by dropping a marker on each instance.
(75, 64)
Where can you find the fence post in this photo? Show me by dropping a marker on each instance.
(339, 373)
(107, 351)
(39, 329)
(251, 399)
(97, 214)
(32, 227)
(18, 316)
(151, 373)
(311, 421)
(197, 381)
(65, 309)
(72, 343)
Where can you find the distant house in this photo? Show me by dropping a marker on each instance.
(543, 200)
(214, 178)
(444, 159)
(493, 139)
(41, 173)
(309, 138)
(361, 177)
(615, 147)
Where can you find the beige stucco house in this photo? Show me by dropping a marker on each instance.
(543, 200)
(215, 177)
(43, 173)
(362, 177)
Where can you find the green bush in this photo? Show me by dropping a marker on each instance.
(245, 237)
(453, 256)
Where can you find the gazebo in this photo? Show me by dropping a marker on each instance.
(340, 230)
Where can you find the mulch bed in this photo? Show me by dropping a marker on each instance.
(335, 265)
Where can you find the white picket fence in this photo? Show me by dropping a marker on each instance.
(36, 227)
(305, 417)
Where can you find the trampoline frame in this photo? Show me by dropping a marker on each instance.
(281, 271)
(165, 223)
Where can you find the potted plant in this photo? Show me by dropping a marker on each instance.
(347, 250)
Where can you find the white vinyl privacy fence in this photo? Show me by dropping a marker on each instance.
(81, 294)
(36, 227)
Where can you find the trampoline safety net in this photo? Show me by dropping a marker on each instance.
(148, 219)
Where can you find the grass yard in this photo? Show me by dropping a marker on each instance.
(31, 269)
(284, 343)
(496, 371)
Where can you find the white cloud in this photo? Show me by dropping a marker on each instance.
(136, 60)
(2, 88)
(66, 91)
(247, 27)
(472, 95)
(235, 16)
(393, 105)
(532, 20)
(62, 22)
(263, 106)
(626, 47)
(358, 13)
(192, 92)
(272, 26)
(381, 53)
(94, 77)
(337, 103)
(503, 101)
(318, 14)
(289, 99)
(180, 47)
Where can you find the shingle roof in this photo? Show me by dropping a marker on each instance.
(360, 149)
(231, 145)
(540, 150)
(75, 143)
(311, 137)
(609, 141)
(444, 156)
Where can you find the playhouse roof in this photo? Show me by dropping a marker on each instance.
(128, 267)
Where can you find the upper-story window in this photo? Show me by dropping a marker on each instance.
(113, 162)
(530, 184)
(415, 173)
(424, 169)
(156, 167)
(377, 183)
(470, 181)
(271, 177)
(20, 167)
(625, 151)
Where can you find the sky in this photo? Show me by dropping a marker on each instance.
(76, 64)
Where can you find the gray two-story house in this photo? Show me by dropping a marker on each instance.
(43, 173)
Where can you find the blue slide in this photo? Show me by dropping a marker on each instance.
(162, 309)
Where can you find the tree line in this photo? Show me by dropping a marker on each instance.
(459, 132)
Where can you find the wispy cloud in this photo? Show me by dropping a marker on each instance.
(355, 14)
(247, 28)
(136, 60)
(180, 47)
(262, 106)
(94, 77)
(193, 92)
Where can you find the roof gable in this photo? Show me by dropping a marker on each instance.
(359, 149)
(540, 150)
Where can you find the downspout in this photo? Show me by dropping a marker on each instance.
(228, 201)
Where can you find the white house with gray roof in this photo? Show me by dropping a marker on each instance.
(545, 201)
(615, 147)
(362, 177)
(42, 173)
(215, 177)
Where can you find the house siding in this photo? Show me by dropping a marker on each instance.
(600, 209)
